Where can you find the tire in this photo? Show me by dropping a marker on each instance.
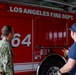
(50, 67)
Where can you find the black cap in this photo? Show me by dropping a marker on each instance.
(73, 27)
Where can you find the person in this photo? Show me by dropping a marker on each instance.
(6, 54)
(70, 66)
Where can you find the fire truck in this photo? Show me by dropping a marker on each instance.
(40, 34)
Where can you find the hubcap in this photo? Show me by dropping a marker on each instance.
(52, 70)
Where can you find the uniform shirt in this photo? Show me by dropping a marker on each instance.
(72, 55)
(6, 58)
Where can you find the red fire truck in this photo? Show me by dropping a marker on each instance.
(40, 34)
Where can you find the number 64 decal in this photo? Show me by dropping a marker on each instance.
(26, 41)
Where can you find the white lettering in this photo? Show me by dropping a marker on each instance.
(15, 9)
(29, 11)
(47, 14)
(34, 12)
(41, 13)
(26, 40)
(56, 15)
(11, 10)
(72, 17)
(25, 11)
(16, 40)
(20, 10)
(67, 17)
(38, 12)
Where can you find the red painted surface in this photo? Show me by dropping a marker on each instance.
(35, 30)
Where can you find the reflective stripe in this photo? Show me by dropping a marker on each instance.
(25, 67)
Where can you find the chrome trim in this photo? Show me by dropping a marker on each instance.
(38, 69)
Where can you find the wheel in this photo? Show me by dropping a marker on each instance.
(50, 67)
